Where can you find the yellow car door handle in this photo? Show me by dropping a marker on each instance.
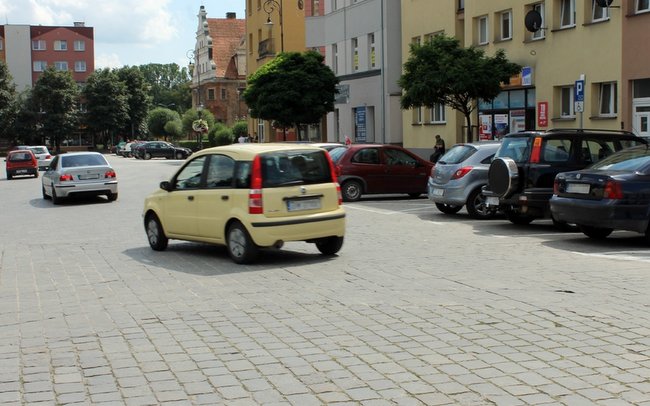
(190, 198)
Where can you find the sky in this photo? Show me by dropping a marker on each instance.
(127, 32)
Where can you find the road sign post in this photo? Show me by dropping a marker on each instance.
(579, 97)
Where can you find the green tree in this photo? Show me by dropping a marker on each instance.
(26, 127)
(440, 71)
(192, 115)
(55, 96)
(158, 119)
(169, 85)
(223, 136)
(174, 129)
(138, 99)
(292, 89)
(240, 128)
(8, 101)
(107, 104)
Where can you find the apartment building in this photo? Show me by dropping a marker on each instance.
(361, 40)
(219, 66)
(29, 50)
(576, 40)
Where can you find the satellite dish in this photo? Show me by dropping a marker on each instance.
(604, 3)
(533, 20)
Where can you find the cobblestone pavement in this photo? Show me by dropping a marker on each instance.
(419, 308)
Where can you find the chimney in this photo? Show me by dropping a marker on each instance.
(231, 15)
(79, 24)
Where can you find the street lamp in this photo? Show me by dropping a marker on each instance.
(269, 7)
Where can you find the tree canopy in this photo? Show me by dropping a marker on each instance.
(440, 71)
(292, 89)
(138, 100)
(107, 102)
(169, 85)
(8, 105)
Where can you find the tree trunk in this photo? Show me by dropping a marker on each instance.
(468, 119)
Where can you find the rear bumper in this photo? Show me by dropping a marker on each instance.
(22, 171)
(86, 189)
(598, 213)
(267, 232)
(447, 194)
(532, 202)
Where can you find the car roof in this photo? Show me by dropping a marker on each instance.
(81, 153)
(15, 151)
(249, 150)
(579, 132)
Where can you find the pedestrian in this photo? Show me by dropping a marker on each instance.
(438, 149)
(348, 141)
(242, 139)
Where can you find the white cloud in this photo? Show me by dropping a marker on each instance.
(107, 61)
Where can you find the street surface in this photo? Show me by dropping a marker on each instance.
(418, 308)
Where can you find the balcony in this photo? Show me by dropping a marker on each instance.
(266, 48)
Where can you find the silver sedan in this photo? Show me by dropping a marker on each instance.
(79, 174)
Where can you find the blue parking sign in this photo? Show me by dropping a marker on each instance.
(579, 91)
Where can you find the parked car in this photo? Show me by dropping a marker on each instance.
(79, 174)
(42, 155)
(161, 149)
(117, 149)
(126, 150)
(21, 162)
(613, 194)
(134, 147)
(378, 168)
(520, 178)
(248, 196)
(458, 178)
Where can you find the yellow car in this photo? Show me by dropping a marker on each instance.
(250, 196)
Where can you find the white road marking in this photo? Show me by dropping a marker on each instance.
(615, 256)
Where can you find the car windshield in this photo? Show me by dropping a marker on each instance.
(631, 159)
(295, 167)
(516, 148)
(82, 160)
(337, 153)
(38, 150)
(457, 154)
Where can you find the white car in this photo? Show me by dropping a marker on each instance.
(43, 156)
(79, 174)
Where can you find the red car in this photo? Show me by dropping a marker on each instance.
(379, 169)
(21, 162)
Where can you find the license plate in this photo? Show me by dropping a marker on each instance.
(438, 192)
(492, 201)
(21, 171)
(303, 204)
(86, 177)
(579, 188)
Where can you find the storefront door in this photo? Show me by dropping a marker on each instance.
(641, 119)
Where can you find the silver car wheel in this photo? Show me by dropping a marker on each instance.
(241, 247)
(237, 242)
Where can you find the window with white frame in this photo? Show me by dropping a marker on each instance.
(335, 58)
(598, 13)
(539, 7)
(79, 45)
(506, 25)
(355, 54)
(607, 99)
(60, 45)
(39, 66)
(437, 113)
(566, 102)
(482, 26)
(38, 45)
(567, 13)
(417, 115)
(642, 6)
(372, 61)
(80, 66)
(61, 65)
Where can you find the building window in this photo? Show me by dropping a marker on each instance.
(566, 102)
(642, 6)
(461, 5)
(210, 94)
(224, 93)
(335, 58)
(79, 45)
(506, 25)
(539, 7)
(598, 13)
(38, 45)
(1, 44)
(567, 13)
(483, 30)
(372, 56)
(437, 113)
(315, 8)
(39, 66)
(355, 54)
(607, 99)
(80, 66)
(61, 66)
(60, 45)
(416, 41)
(417, 115)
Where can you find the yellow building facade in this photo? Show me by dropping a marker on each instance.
(578, 40)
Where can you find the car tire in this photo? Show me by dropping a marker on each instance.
(597, 233)
(55, 199)
(147, 155)
(503, 176)
(329, 245)
(476, 207)
(518, 219)
(179, 155)
(241, 248)
(449, 208)
(9, 177)
(414, 195)
(112, 197)
(45, 195)
(155, 234)
(36, 174)
(351, 190)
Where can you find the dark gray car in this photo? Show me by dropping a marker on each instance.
(459, 176)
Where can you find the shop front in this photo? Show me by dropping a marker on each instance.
(511, 111)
